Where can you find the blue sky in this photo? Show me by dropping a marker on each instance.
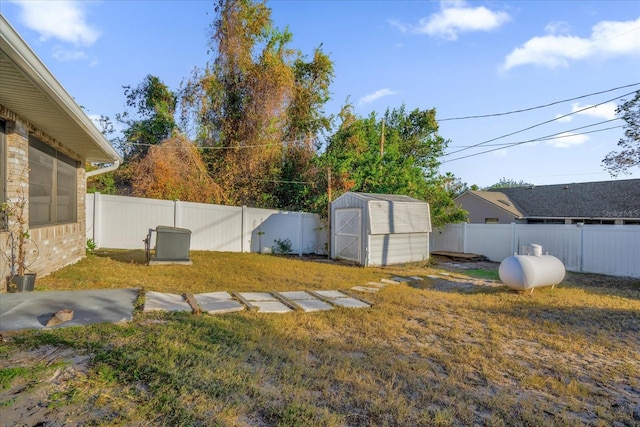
(462, 58)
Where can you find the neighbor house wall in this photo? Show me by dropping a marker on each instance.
(479, 210)
(52, 246)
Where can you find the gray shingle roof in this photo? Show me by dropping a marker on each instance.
(603, 199)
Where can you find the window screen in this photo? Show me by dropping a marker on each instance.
(52, 185)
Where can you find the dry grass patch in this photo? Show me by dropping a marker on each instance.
(419, 357)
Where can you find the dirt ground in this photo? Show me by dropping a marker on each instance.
(31, 400)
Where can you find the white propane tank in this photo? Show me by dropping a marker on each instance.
(524, 272)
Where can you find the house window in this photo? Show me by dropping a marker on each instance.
(3, 171)
(491, 221)
(52, 185)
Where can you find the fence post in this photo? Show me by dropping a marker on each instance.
(300, 233)
(243, 222)
(581, 250)
(464, 237)
(514, 244)
(97, 219)
(177, 213)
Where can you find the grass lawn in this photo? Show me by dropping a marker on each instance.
(419, 357)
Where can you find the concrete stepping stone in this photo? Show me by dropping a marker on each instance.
(365, 289)
(418, 278)
(390, 282)
(218, 302)
(376, 284)
(340, 299)
(304, 301)
(158, 301)
(401, 279)
(263, 302)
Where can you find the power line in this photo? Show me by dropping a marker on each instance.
(536, 125)
(539, 106)
(551, 136)
(514, 144)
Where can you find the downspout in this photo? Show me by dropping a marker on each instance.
(106, 169)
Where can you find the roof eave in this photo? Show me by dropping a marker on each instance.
(23, 57)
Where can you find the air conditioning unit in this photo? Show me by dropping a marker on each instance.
(172, 245)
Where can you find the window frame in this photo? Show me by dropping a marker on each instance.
(3, 171)
(54, 187)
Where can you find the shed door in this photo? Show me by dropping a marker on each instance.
(347, 234)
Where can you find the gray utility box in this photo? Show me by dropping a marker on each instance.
(172, 244)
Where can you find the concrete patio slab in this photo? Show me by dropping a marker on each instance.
(32, 310)
(155, 301)
(218, 303)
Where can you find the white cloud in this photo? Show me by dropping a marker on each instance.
(367, 99)
(605, 111)
(62, 20)
(607, 38)
(455, 17)
(64, 55)
(568, 139)
(557, 27)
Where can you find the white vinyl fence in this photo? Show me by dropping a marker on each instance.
(120, 222)
(603, 249)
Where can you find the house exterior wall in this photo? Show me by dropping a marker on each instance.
(51, 247)
(479, 210)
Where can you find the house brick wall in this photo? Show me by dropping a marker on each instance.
(51, 247)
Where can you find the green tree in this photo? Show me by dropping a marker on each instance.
(508, 183)
(149, 118)
(398, 154)
(629, 155)
(253, 103)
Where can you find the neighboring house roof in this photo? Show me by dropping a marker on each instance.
(31, 91)
(603, 199)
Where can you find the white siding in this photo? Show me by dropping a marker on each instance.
(387, 249)
(398, 217)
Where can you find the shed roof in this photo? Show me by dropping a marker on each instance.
(601, 199)
(31, 91)
(387, 197)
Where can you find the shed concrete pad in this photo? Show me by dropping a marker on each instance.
(270, 306)
(258, 296)
(158, 301)
(32, 310)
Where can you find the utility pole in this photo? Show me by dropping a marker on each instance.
(329, 211)
(382, 140)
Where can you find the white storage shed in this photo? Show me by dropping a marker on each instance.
(379, 229)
